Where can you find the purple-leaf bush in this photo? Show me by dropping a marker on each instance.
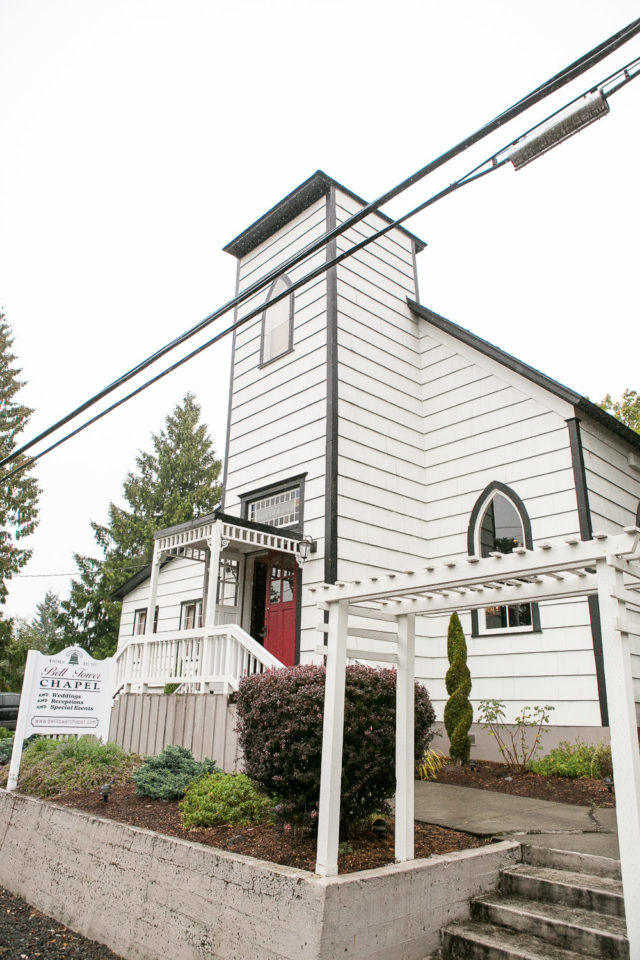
(280, 729)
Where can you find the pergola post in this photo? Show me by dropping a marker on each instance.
(332, 737)
(405, 760)
(151, 612)
(624, 738)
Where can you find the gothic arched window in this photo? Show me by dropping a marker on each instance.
(277, 323)
(499, 523)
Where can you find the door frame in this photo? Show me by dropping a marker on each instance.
(248, 596)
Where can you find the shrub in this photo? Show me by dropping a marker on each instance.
(4, 733)
(458, 713)
(167, 775)
(601, 763)
(565, 760)
(171, 687)
(6, 748)
(515, 743)
(53, 767)
(575, 760)
(280, 729)
(430, 765)
(224, 798)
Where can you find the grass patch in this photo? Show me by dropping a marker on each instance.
(53, 767)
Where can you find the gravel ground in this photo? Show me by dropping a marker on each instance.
(26, 934)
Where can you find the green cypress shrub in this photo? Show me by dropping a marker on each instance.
(458, 713)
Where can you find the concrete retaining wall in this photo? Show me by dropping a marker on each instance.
(149, 897)
(204, 723)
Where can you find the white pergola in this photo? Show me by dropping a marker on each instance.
(607, 566)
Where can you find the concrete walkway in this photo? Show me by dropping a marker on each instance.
(539, 822)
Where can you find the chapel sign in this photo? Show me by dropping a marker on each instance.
(68, 692)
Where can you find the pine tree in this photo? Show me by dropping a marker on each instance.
(175, 483)
(458, 713)
(19, 495)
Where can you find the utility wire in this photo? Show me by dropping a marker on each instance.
(569, 73)
(488, 165)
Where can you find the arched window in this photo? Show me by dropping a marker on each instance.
(277, 323)
(499, 523)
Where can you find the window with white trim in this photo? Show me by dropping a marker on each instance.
(140, 622)
(277, 509)
(228, 582)
(277, 323)
(191, 614)
(500, 528)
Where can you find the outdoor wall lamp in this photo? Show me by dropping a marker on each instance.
(306, 547)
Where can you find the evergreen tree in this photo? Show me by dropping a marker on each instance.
(19, 495)
(42, 633)
(175, 483)
(458, 713)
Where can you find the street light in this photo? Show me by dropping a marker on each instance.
(574, 118)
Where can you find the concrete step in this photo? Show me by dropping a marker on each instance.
(528, 881)
(588, 933)
(595, 866)
(473, 940)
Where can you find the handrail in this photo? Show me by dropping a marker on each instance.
(206, 657)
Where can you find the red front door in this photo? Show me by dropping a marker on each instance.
(280, 611)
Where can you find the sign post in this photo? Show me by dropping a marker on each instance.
(68, 692)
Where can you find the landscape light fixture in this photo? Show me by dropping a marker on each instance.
(608, 782)
(571, 120)
(105, 790)
(472, 765)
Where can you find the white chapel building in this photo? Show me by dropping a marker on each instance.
(368, 435)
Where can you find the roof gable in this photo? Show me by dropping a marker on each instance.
(580, 403)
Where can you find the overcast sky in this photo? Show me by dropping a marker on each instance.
(140, 137)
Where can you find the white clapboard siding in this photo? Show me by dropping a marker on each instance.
(278, 412)
(297, 234)
(178, 581)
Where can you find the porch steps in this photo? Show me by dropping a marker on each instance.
(556, 905)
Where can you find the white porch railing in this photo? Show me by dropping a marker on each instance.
(207, 659)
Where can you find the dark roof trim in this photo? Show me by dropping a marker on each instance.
(135, 581)
(318, 185)
(580, 403)
(228, 518)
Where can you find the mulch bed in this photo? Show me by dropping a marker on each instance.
(363, 851)
(26, 934)
(491, 776)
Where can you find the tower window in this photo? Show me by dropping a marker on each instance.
(277, 323)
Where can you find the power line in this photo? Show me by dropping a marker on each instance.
(486, 166)
(75, 573)
(575, 69)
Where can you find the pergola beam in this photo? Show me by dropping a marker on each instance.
(477, 571)
(574, 569)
